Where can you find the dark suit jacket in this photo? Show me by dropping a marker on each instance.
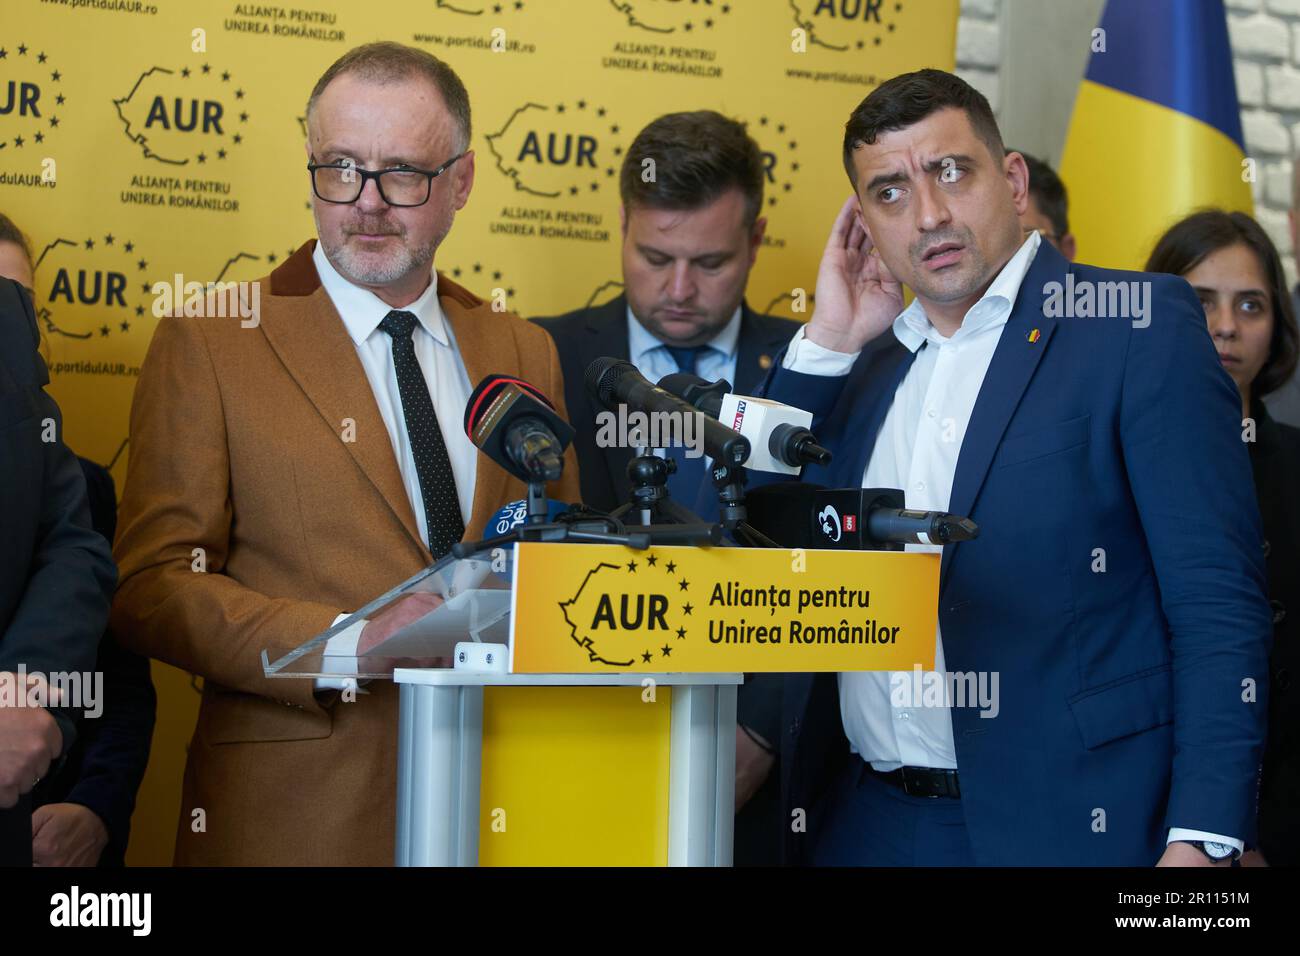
(1119, 691)
(588, 334)
(1275, 455)
(105, 766)
(56, 573)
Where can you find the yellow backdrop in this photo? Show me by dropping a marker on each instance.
(140, 140)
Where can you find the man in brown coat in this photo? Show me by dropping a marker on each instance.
(288, 468)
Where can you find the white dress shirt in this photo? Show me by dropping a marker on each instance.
(916, 450)
(449, 388)
(654, 361)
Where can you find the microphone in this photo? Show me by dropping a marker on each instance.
(516, 426)
(779, 434)
(612, 382)
(797, 514)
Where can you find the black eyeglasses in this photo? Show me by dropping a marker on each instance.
(400, 186)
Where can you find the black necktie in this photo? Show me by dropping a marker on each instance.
(684, 484)
(442, 515)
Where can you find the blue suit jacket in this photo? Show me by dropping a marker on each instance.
(1121, 691)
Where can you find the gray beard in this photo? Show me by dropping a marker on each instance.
(401, 263)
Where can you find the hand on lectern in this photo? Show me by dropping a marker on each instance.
(394, 617)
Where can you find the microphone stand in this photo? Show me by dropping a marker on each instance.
(730, 482)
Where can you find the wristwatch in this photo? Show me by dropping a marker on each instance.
(1218, 852)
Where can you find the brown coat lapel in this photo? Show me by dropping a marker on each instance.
(309, 337)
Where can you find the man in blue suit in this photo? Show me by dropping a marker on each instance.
(1114, 599)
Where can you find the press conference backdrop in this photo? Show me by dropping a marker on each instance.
(145, 139)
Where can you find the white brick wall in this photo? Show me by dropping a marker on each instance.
(979, 46)
(1265, 36)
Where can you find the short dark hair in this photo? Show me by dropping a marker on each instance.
(387, 62)
(1049, 192)
(697, 157)
(9, 232)
(1189, 241)
(909, 98)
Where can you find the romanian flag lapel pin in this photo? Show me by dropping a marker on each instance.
(1034, 336)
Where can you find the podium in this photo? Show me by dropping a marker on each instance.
(575, 704)
(502, 768)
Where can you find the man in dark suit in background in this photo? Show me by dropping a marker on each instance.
(56, 573)
(692, 189)
(1116, 588)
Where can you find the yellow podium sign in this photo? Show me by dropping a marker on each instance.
(599, 608)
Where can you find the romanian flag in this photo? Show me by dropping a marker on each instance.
(1156, 132)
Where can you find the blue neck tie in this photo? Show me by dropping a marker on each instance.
(442, 518)
(684, 484)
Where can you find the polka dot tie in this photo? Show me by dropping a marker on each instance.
(442, 515)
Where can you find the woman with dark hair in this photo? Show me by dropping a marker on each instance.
(1234, 268)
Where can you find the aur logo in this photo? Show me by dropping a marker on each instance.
(780, 150)
(91, 288)
(845, 26)
(478, 8)
(560, 150)
(625, 614)
(31, 98)
(671, 16)
(194, 114)
(245, 266)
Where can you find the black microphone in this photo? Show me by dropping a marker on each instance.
(789, 443)
(612, 382)
(797, 514)
(516, 426)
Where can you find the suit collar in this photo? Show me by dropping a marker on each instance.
(312, 341)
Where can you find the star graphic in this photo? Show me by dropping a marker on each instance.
(651, 560)
(647, 656)
(206, 68)
(682, 585)
(58, 100)
(671, 568)
(145, 287)
(40, 58)
(139, 310)
(54, 121)
(3, 53)
(185, 72)
(18, 141)
(202, 158)
(22, 50)
(108, 240)
(666, 649)
(221, 154)
(225, 76)
(239, 94)
(143, 265)
(686, 609)
(103, 331)
(129, 247)
(126, 326)
(631, 566)
(39, 136)
(270, 257)
(681, 633)
(90, 243)
(56, 76)
(559, 107)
